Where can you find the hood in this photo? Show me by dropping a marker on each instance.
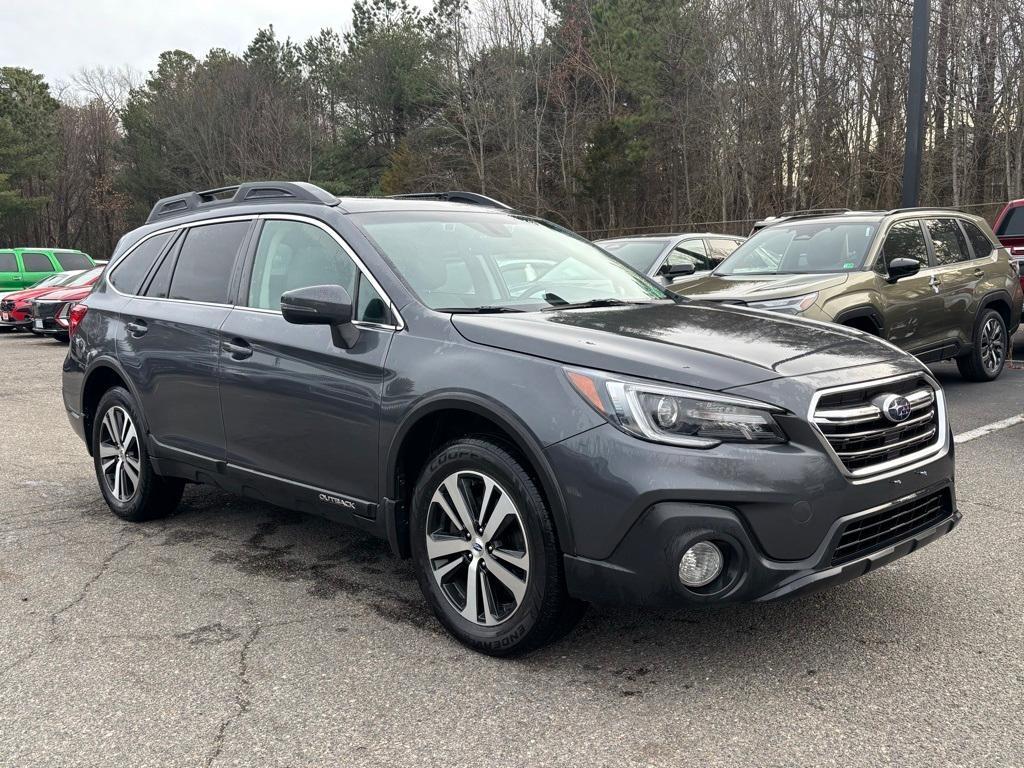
(67, 294)
(698, 344)
(757, 287)
(32, 293)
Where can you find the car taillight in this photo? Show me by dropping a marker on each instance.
(75, 316)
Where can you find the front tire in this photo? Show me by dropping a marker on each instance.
(486, 553)
(990, 342)
(131, 488)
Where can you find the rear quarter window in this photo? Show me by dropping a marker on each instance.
(129, 273)
(978, 239)
(69, 260)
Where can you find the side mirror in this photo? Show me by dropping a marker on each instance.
(899, 268)
(679, 270)
(322, 305)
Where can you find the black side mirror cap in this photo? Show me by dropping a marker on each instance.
(679, 270)
(902, 267)
(322, 305)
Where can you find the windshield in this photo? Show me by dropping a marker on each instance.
(468, 260)
(802, 247)
(639, 254)
(61, 278)
(85, 277)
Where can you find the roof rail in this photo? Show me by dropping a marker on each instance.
(249, 192)
(924, 208)
(808, 213)
(472, 198)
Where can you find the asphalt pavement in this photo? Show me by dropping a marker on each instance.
(238, 634)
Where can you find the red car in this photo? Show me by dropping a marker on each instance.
(1009, 228)
(15, 308)
(49, 311)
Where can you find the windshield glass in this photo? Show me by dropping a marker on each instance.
(802, 247)
(61, 278)
(639, 254)
(86, 277)
(466, 260)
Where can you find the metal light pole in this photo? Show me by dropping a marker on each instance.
(915, 105)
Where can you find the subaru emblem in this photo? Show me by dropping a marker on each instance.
(896, 408)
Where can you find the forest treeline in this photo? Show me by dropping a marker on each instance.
(604, 115)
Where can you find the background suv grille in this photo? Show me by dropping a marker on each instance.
(863, 437)
(878, 530)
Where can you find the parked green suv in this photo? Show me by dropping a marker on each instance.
(934, 282)
(24, 267)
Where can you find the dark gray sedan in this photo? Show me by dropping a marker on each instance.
(668, 258)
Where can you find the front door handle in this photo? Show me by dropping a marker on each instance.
(137, 328)
(979, 272)
(239, 349)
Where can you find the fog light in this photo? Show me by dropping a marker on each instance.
(700, 564)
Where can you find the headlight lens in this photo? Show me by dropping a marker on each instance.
(791, 306)
(677, 416)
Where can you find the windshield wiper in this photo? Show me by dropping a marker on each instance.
(596, 303)
(487, 309)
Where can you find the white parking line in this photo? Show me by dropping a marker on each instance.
(988, 429)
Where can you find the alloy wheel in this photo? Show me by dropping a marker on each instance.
(120, 461)
(476, 547)
(993, 345)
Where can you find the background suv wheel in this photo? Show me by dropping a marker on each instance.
(485, 550)
(131, 488)
(989, 345)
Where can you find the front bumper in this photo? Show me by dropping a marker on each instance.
(643, 570)
(44, 319)
(635, 507)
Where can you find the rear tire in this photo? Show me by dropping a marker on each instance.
(131, 488)
(493, 574)
(989, 345)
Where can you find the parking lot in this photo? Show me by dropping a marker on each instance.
(236, 633)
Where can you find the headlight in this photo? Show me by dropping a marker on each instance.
(791, 306)
(677, 416)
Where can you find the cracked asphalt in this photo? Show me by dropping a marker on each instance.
(238, 634)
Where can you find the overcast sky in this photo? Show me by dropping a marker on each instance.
(59, 37)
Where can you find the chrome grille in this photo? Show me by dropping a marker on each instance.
(864, 439)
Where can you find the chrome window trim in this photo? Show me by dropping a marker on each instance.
(400, 323)
(263, 217)
(892, 467)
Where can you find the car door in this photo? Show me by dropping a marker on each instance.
(956, 277)
(170, 345)
(10, 273)
(299, 410)
(36, 266)
(912, 304)
(980, 274)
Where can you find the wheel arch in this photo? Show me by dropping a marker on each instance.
(1000, 301)
(461, 414)
(857, 317)
(102, 375)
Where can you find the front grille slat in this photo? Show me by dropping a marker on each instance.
(862, 437)
(888, 526)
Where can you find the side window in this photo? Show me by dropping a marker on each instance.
(202, 270)
(1012, 224)
(949, 242)
(8, 263)
(979, 240)
(721, 249)
(904, 241)
(370, 306)
(36, 262)
(69, 260)
(129, 273)
(293, 255)
(689, 252)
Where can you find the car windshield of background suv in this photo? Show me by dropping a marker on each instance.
(801, 248)
(639, 254)
(474, 261)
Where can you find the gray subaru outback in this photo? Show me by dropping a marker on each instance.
(531, 421)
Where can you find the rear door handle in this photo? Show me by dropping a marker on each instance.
(137, 328)
(239, 349)
(979, 272)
